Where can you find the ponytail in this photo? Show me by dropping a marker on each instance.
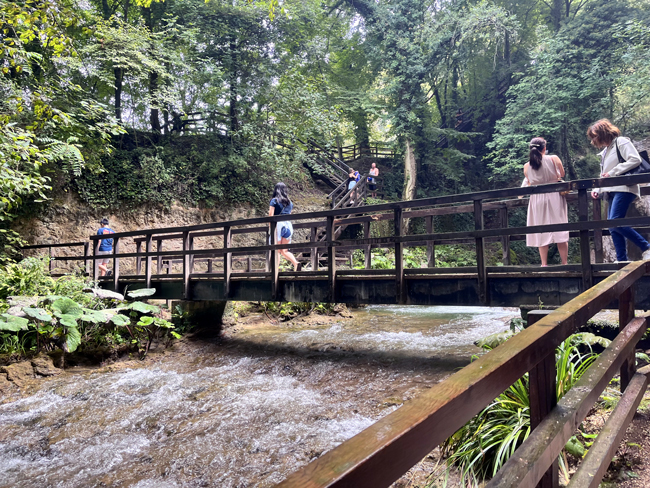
(537, 146)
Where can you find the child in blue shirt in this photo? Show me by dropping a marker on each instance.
(105, 247)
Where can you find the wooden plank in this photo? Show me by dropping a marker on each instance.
(480, 252)
(537, 453)
(313, 253)
(147, 261)
(274, 262)
(505, 240)
(399, 258)
(598, 234)
(86, 254)
(159, 247)
(227, 261)
(96, 245)
(138, 259)
(116, 264)
(594, 466)
(367, 250)
(331, 258)
(585, 252)
(186, 266)
(431, 247)
(625, 315)
(380, 454)
(543, 398)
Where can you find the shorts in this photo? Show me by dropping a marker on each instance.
(284, 230)
(105, 260)
(351, 185)
(372, 187)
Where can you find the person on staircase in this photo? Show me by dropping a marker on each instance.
(545, 208)
(352, 181)
(372, 182)
(280, 204)
(618, 156)
(105, 248)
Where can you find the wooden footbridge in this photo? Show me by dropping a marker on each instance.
(234, 260)
(386, 450)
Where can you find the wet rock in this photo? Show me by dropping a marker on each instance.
(19, 373)
(18, 302)
(44, 366)
(100, 293)
(57, 358)
(5, 384)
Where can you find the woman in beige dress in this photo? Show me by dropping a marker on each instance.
(546, 208)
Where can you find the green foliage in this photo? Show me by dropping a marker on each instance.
(290, 310)
(69, 322)
(485, 443)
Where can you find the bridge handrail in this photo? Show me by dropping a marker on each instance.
(422, 202)
(383, 452)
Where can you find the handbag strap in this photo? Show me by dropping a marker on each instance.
(618, 152)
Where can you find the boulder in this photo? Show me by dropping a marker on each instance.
(44, 366)
(19, 373)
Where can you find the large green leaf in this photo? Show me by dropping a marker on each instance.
(94, 316)
(120, 320)
(38, 313)
(68, 320)
(12, 323)
(72, 339)
(145, 321)
(142, 292)
(142, 307)
(66, 306)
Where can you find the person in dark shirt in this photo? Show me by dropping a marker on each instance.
(106, 246)
(280, 204)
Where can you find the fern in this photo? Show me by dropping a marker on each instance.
(68, 153)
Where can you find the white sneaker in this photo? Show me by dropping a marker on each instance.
(623, 262)
(646, 255)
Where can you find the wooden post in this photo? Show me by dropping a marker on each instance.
(399, 257)
(542, 394)
(159, 246)
(314, 250)
(431, 248)
(116, 264)
(331, 258)
(186, 266)
(625, 314)
(138, 260)
(147, 260)
(598, 233)
(505, 240)
(367, 251)
(191, 255)
(585, 254)
(227, 261)
(50, 260)
(274, 264)
(268, 253)
(480, 252)
(86, 254)
(96, 245)
(249, 264)
(209, 266)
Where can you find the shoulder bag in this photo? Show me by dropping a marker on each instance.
(644, 167)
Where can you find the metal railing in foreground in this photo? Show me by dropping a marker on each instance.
(386, 450)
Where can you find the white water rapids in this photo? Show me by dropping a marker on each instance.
(244, 412)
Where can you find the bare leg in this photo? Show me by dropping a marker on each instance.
(102, 269)
(563, 248)
(288, 255)
(543, 255)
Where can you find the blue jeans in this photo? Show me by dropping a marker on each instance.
(619, 202)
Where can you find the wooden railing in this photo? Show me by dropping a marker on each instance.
(356, 151)
(383, 452)
(216, 241)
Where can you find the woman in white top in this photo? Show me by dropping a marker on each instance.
(545, 208)
(606, 136)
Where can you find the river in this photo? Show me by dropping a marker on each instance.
(242, 410)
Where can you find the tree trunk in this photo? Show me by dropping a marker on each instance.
(232, 109)
(410, 172)
(153, 94)
(119, 78)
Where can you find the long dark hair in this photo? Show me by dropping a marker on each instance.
(280, 194)
(537, 145)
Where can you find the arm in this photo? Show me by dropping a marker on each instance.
(271, 211)
(630, 155)
(558, 166)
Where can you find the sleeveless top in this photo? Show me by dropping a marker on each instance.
(547, 173)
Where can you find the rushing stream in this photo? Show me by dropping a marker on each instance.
(243, 411)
